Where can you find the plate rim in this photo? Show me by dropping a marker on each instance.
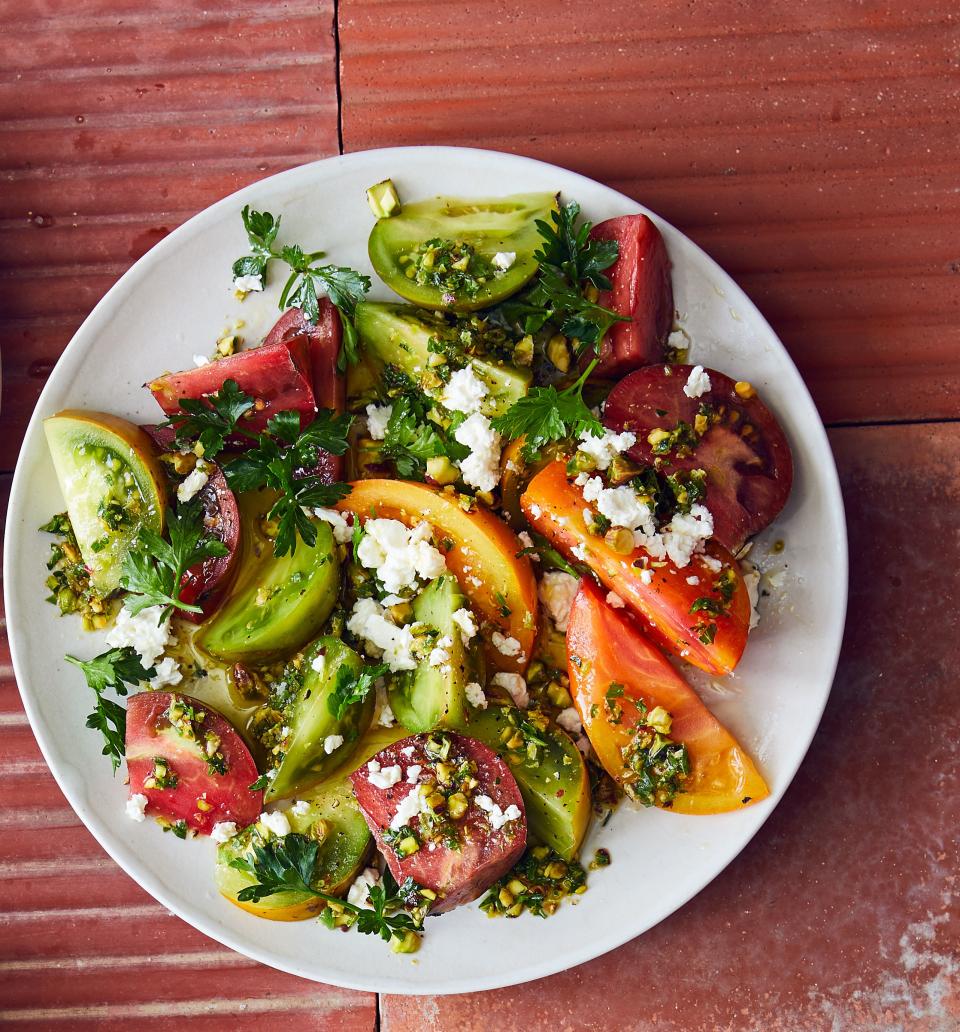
(397, 984)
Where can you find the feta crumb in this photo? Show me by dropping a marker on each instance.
(413, 773)
(621, 505)
(557, 591)
(465, 620)
(475, 695)
(377, 418)
(694, 580)
(408, 750)
(200, 361)
(359, 891)
(332, 743)
(148, 633)
(527, 541)
(605, 448)
(194, 482)
(386, 718)
(223, 831)
(698, 382)
(515, 686)
(464, 391)
(386, 777)
(579, 552)
(440, 653)
(342, 531)
(751, 578)
(614, 600)
(248, 283)
(502, 260)
(646, 576)
(497, 817)
(685, 534)
(569, 720)
(395, 644)
(535, 511)
(373, 766)
(167, 673)
(276, 823)
(410, 806)
(136, 806)
(481, 468)
(399, 556)
(300, 808)
(713, 565)
(504, 645)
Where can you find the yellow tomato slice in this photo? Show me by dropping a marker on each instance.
(605, 647)
(481, 552)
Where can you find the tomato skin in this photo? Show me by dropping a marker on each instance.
(483, 558)
(278, 376)
(748, 477)
(323, 345)
(604, 646)
(554, 506)
(151, 735)
(641, 290)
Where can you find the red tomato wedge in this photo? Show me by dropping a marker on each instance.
(329, 386)
(278, 376)
(641, 290)
(744, 452)
(605, 647)
(195, 769)
(470, 853)
(554, 506)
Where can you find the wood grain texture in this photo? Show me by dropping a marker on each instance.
(842, 912)
(117, 123)
(813, 149)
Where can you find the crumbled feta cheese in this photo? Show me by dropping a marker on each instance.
(359, 891)
(526, 541)
(440, 653)
(713, 565)
(377, 418)
(276, 823)
(413, 773)
(194, 482)
(386, 777)
(167, 674)
(248, 283)
(398, 555)
(504, 645)
(502, 260)
(698, 382)
(300, 808)
(685, 534)
(397, 645)
(467, 623)
(569, 720)
(342, 531)
(515, 686)
(386, 718)
(148, 633)
(136, 805)
(481, 468)
(475, 695)
(605, 448)
(373, 766)
(223, 831)
(408, 750)
(535, 511)
(751, 578)
(693, 580)
(579, 552)
(614, 600)
(646, 576)
(621, 505)
(331, 743)
(410, 806)
(497, 817)
(200, 360)
(557, 590)
(464, 391)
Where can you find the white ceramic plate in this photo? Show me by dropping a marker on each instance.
(174, 303)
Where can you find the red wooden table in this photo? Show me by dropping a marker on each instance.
(812, 148)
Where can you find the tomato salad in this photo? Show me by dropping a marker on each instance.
(400, 600)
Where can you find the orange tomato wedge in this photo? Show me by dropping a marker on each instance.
(481, 552)
(605, 647)
(554, 506)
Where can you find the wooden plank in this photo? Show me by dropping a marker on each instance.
(119, 122)
(842, 913)
(811, 148)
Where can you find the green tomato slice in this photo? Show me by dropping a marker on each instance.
(440, 253)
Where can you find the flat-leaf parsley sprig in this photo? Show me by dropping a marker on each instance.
(113, 669)
(153, 569)
(307, 280)
(350, 690)
(570, 263)
(546, 414)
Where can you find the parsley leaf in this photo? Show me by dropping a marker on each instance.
(113, 669)
(212, 419)
(350, 689)
(546, 414)
(280, 865)
(411, 438)
(154, 568)
(378, 922)
(307, 281)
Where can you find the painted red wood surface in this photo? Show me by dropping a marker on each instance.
(813, 149)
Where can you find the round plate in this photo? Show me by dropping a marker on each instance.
(174, 303)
